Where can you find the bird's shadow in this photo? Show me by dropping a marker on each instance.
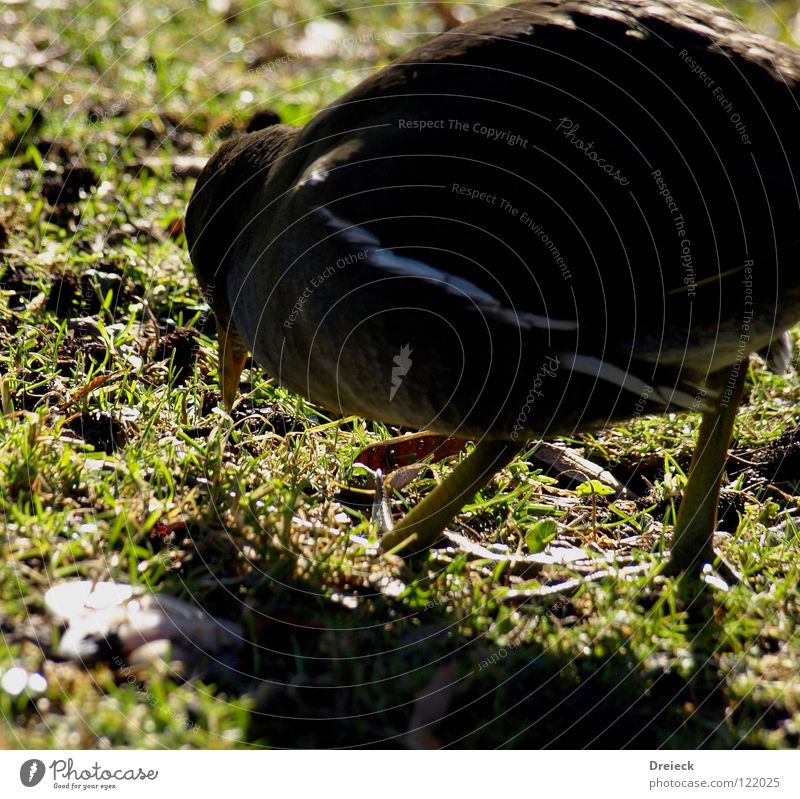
(322, 668)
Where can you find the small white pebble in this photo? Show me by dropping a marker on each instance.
(14, 681)
(87, 529)
(37, 684)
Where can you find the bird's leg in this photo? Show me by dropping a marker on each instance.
(697, 515)
(423, 524)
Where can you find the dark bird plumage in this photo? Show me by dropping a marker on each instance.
(601, 194)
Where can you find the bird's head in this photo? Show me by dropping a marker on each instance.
(218, 212)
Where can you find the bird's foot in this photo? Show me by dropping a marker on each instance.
(423, 525)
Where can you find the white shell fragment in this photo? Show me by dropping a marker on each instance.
(114, 615)
(68, 600)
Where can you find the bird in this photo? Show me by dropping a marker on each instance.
(554, 217)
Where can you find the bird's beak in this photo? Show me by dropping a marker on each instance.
(232, 358)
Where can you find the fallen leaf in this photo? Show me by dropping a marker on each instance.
(92, 385)
(395, 453)
(591, 487)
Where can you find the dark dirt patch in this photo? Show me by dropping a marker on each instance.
(164, 128)
(24, 123)
(211, 400)
(68, 186)
(198, 432)
(100, 430)
(778, 461)
(33, 392)
(177, 313)
(180, 345)
(731, 506)
(95, 286)
(83, 339)
(55, 150)
(71, 296)
(16, 277)
(66, 362)
(275, 420)
(638, 474)
(22, 282)
(62, 298)
(98, 112)
(730, 510)
(631, 712)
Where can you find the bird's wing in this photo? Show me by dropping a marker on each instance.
(390, 205)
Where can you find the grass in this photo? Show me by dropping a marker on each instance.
(111, 431)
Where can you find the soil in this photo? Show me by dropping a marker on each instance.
(100, 430)
(181, 346)
(65, 188)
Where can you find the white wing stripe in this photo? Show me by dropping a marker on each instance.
(594, 367)
(385, 258)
